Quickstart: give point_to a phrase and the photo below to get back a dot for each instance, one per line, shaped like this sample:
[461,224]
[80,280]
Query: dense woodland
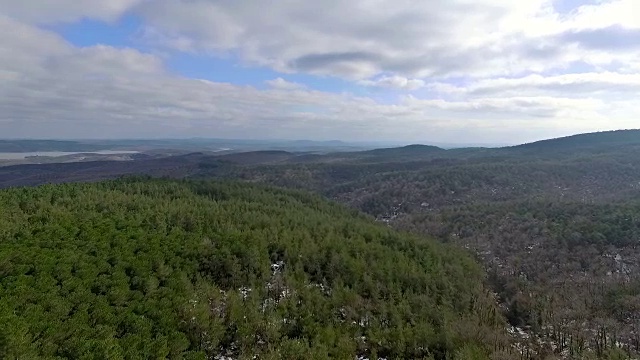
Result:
[144,268]
[205,269]
[557,227]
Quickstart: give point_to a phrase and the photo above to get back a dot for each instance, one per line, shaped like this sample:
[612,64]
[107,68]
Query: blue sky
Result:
[125,32]
[494,71]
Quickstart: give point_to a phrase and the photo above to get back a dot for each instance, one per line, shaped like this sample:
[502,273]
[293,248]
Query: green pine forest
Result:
[152,269]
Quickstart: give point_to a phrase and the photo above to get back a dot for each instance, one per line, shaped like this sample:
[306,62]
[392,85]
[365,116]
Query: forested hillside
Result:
[555,224]
[591,142]
[143,268]
[557,230]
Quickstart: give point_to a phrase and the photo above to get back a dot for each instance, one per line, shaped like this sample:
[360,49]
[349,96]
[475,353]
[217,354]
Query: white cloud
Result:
[106,92]
[282,84]
[625,13]
[357,39]
[52,11]
[542,108]
[394,82]
[604,84]
[364,39]
[478,70]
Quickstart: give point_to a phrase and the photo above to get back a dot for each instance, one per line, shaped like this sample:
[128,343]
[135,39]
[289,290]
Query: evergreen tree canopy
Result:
[141,268]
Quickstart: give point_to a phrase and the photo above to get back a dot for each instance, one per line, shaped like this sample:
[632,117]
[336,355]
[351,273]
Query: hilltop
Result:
[598,141]
[144,268]
[409,150]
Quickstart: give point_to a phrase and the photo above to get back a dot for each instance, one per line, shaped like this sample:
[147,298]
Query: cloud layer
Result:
[470,71]
[361,39]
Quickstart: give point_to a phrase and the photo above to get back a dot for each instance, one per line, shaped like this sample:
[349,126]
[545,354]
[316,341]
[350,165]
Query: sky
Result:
[454,71]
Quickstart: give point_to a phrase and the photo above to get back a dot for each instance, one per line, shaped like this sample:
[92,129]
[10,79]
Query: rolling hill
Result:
[593,142]
[143,268]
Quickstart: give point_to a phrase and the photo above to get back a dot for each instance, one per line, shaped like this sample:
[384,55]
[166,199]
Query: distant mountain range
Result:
[195,161]
[19,146]
[214,144]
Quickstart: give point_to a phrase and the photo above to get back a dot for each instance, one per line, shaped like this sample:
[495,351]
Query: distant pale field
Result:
[24,155]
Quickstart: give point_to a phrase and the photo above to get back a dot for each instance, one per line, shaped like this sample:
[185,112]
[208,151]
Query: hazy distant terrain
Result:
[14,152]
[177,144]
